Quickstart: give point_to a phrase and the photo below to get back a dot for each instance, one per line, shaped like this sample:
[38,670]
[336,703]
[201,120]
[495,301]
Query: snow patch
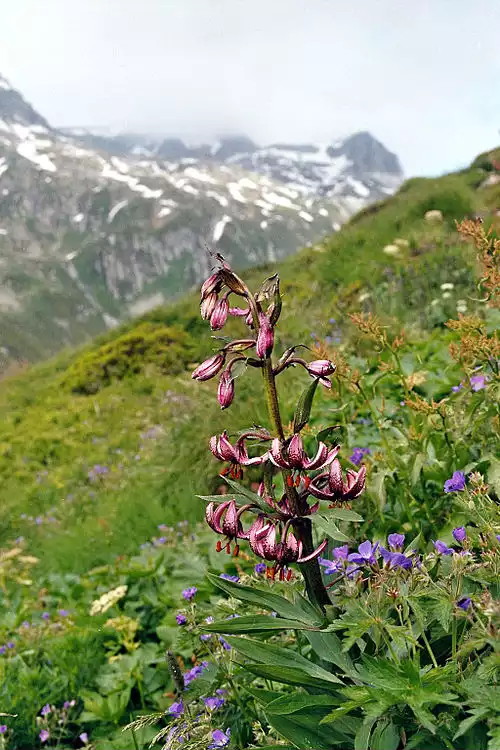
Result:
[323,212]
[245,182]
[116,209]
[220,198]
[219,228]
[3,231]
[263,224]
[78,218]
[190,189]
[164,211]
[196,174]
[235,192]
[28,150]
[3,166]
[304,215]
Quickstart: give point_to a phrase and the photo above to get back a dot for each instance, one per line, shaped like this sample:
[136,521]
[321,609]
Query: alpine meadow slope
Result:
[104,454]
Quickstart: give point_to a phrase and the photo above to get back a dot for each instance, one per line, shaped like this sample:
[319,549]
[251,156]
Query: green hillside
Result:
[101,446]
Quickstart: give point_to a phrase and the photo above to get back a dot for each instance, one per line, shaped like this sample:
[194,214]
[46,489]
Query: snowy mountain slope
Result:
[96,228]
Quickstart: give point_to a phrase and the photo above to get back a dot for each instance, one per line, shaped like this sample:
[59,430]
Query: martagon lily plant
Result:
[277,526]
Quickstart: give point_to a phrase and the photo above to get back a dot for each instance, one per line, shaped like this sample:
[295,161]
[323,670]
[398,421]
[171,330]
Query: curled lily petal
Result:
[317,552]
[213,514]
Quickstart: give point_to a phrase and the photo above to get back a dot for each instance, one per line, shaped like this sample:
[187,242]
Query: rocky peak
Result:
[15,109]
[367,155]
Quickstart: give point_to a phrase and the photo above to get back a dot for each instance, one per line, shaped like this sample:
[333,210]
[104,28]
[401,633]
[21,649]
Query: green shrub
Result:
[169,349]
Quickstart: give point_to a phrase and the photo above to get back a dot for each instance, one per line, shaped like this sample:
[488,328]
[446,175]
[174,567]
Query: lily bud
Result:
[265,337]
[233,282]
[208,305]
[209,368]
[321,368]
[219,315]
[211,285]
[225,392]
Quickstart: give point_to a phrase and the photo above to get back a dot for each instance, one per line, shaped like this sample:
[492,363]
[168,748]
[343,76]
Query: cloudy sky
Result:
[422,75]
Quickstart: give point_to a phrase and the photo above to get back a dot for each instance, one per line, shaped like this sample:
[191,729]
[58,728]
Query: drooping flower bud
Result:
[321,368]
[209,368]
[208,305]
[219,315]
[225,392]
[265,337]
[211,285]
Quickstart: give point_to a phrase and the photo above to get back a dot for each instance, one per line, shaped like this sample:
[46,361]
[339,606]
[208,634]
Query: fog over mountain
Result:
[422,76]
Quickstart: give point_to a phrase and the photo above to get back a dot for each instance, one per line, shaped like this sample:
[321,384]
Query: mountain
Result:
[95,227]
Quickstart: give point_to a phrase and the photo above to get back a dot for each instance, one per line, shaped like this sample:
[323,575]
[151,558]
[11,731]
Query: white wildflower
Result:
[107,600]
[446,286]
[446,295]
[392,250]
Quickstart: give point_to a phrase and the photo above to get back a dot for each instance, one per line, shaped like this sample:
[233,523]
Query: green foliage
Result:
[129,354]
[103,450]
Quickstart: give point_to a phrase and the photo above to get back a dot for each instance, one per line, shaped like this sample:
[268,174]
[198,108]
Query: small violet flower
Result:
[3,728]
[189,593]
[224,643]
[213,702]
[464,603]
[478,382]
[44,735]
[45,616]
[220,739]
[365,554]
[357,455]
[442,548]
[176,709]
[457,388]
[45,710]
[456,483]
[260,568]
[83,737]
[396,541]
[459,534]
[180,619]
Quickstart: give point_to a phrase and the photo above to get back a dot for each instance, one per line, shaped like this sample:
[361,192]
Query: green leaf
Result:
[417,467]
[324,435]
[376,485]
[328,647]
[329,528]
[287,676]
[362,739]
[254,623]
[385,736]
[304,406]
[251,496]
[289,704]
[264,598]
[278,657]
[303,731]
[342,514]
[239,499]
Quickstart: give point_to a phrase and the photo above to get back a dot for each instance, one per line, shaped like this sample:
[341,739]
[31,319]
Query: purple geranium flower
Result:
[45,616]
[396,559]
[64,612]
[83,737]
[220,739]
[227,577]
[456,483]
[396,541]
[3,650]
[176,709]
[478,382]
[180,619]
[189,593]
[333,566]
[365,554]
[457,388]
[260,568]
[464,603]
[45,710]
[224,643]
[357,455]
[443,548]
[3,728]
[11,644]
[213,702]
[44,735]
[459,534]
